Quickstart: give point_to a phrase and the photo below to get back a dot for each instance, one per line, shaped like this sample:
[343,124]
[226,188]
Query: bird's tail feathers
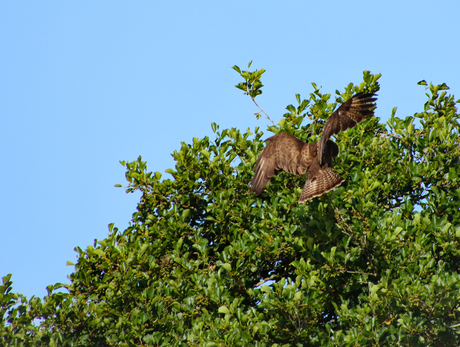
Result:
[325,181]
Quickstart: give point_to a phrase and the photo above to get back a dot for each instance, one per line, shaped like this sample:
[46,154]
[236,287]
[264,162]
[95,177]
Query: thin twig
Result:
[265,280]
[360,272]
[263,111]
[393,135]
[342,221]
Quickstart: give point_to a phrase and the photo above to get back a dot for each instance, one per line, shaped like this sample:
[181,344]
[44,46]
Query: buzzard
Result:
[286,152]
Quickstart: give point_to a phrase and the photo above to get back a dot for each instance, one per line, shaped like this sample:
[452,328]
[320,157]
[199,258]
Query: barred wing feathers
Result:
[283,152]
[355,110]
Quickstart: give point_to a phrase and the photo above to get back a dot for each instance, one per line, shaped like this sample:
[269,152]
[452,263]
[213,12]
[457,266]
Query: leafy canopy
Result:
[206,263]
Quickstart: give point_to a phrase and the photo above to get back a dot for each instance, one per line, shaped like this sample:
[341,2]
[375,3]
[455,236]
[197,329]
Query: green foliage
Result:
[252,84]
[205,263]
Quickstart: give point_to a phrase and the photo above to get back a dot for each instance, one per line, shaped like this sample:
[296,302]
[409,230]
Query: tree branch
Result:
[253,99]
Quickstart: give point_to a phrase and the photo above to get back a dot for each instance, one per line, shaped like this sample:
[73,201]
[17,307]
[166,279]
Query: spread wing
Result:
[282,152]
[355,110]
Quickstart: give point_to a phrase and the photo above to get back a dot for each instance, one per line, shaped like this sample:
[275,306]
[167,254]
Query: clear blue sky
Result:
[85,84]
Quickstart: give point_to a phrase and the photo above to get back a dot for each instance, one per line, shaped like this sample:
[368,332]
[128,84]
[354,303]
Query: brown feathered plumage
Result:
[286,152]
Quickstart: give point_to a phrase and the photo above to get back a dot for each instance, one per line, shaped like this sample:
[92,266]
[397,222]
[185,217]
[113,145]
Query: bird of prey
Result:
[286,152]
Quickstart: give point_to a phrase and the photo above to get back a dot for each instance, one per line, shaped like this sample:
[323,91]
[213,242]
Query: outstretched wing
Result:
[282,152]
[355,110]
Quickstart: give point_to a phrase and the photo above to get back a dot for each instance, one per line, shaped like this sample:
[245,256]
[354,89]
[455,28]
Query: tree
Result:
[374,262]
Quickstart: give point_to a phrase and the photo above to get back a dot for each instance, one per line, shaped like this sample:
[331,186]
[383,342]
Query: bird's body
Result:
[284,152]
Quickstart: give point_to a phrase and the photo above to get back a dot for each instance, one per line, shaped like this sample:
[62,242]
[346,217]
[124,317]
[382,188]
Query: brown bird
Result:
[286,152]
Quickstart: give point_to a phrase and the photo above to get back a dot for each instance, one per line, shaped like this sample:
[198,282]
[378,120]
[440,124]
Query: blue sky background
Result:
[85,84]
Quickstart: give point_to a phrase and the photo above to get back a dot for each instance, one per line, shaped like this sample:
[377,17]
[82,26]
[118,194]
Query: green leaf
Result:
[205,153]
[265,288]
[397,231]
[151,293]
[375,185]
[224,309]
[99,251]
[143,317]
[170,171]
[236,68]
[227,267]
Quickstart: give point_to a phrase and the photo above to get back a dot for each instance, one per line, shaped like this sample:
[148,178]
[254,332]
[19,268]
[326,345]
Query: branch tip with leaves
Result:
[252,86]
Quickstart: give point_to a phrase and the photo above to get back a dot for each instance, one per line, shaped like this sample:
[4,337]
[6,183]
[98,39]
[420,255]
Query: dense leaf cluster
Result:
[375,262]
